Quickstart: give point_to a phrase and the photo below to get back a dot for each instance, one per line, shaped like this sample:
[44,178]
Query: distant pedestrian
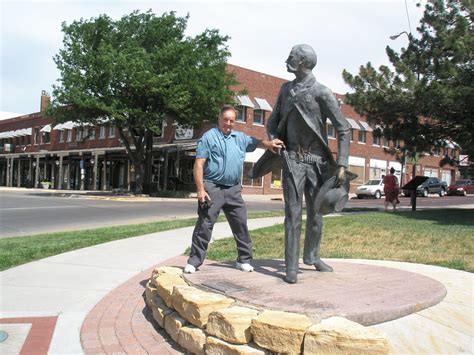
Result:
[391,190]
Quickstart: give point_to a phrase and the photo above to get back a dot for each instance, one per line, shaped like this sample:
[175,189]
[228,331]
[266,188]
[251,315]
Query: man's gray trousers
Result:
[230,200]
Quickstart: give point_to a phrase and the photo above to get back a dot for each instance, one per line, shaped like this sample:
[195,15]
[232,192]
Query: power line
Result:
[408,16]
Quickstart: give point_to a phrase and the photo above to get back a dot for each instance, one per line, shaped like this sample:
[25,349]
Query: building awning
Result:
[17,133]
[59,127]
[6,134]
[353,123]
[262,104]
[244,101]
[46,128]
[365,126]
[68,125]
[23,132]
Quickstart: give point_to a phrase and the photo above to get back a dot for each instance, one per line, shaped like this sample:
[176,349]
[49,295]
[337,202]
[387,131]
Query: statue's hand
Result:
[340,175]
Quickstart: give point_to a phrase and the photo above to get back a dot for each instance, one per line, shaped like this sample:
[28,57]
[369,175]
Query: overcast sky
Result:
[344,34]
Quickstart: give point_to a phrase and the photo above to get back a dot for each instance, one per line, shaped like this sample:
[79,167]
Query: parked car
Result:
[372,188]
[461,187]
[431,185]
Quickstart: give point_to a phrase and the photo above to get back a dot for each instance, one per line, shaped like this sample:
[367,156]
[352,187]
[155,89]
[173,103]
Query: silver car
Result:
[372,188]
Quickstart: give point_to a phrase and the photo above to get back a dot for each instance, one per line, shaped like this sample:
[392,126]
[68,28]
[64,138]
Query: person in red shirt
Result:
[391,190]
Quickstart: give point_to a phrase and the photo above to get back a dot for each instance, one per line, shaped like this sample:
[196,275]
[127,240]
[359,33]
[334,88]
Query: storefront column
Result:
[18,180]
[165,172]
[94,177]
[37,171]
[11,172]
[60,173]
[30,172]
[129,173]
[8,172]
[104,174]
[53,172]
[82,174]
[176,165]
[68,173]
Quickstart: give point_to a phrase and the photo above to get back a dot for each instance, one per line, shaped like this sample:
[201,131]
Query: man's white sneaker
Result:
[189,269]
[244,267]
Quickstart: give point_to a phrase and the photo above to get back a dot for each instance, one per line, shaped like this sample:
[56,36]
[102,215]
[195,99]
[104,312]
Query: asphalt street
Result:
[27,212]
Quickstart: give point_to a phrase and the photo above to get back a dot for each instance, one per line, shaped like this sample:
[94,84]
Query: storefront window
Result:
[276,178]
[241,113]
[246,181]
[258,116]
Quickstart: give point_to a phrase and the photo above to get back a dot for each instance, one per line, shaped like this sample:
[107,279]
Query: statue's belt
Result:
[307,158]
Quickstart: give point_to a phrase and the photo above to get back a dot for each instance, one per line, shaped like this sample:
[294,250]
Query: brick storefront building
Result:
[33,149]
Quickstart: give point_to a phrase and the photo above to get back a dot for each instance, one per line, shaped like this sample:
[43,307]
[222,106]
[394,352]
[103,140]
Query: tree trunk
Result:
[148,162]
[139,166]
[136,157]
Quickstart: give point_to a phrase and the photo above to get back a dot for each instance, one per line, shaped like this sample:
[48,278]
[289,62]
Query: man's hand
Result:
[202,196]
[272,145]
[340,175]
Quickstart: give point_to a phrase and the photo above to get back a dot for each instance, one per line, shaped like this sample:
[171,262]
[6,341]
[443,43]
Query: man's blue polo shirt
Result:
[225,155]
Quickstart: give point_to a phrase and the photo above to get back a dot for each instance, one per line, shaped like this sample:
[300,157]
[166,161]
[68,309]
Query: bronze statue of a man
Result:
[299,120]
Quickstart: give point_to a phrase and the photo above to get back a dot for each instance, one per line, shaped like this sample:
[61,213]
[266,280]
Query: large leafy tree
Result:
[427,97]
[137,71]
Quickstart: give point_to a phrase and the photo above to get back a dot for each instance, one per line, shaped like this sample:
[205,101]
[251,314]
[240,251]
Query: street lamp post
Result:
[394,37]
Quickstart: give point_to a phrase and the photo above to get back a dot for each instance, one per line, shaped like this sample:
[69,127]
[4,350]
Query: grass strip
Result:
[20,250]
[443,237]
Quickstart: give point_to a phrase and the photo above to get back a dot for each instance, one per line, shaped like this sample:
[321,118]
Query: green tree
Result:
[137,71]
[428,96]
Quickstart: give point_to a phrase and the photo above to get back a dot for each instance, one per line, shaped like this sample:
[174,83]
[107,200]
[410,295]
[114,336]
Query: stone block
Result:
[192,339]
[232,324]
[281,332]
[215,346]
[164,286]
[195,305]
[150,291]
[159,310]
[338,335]
[160,270]
[173,323]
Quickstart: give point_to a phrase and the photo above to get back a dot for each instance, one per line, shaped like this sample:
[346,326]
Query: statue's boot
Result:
[322,266]
[290,277]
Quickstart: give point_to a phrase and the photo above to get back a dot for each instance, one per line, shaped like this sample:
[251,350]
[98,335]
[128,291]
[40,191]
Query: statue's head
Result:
[302,56]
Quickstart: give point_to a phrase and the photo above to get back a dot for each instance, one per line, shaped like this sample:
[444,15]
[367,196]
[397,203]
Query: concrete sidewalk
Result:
[69,285]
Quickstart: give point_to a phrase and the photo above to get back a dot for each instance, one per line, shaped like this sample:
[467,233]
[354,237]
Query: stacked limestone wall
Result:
[210,323]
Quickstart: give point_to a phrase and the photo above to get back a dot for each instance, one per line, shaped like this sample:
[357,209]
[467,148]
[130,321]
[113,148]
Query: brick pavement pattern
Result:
[122,324]
[39,337]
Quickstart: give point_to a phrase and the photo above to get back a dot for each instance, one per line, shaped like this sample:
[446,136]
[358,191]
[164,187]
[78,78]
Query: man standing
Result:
[299,120]
[220,156]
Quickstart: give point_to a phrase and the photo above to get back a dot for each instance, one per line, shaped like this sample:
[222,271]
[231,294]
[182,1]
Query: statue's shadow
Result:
[268,267]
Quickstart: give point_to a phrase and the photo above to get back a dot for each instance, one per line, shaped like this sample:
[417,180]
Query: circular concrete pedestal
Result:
[366,294]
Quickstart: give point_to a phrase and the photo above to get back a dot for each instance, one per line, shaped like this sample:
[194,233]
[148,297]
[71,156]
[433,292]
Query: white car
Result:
[372,188]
